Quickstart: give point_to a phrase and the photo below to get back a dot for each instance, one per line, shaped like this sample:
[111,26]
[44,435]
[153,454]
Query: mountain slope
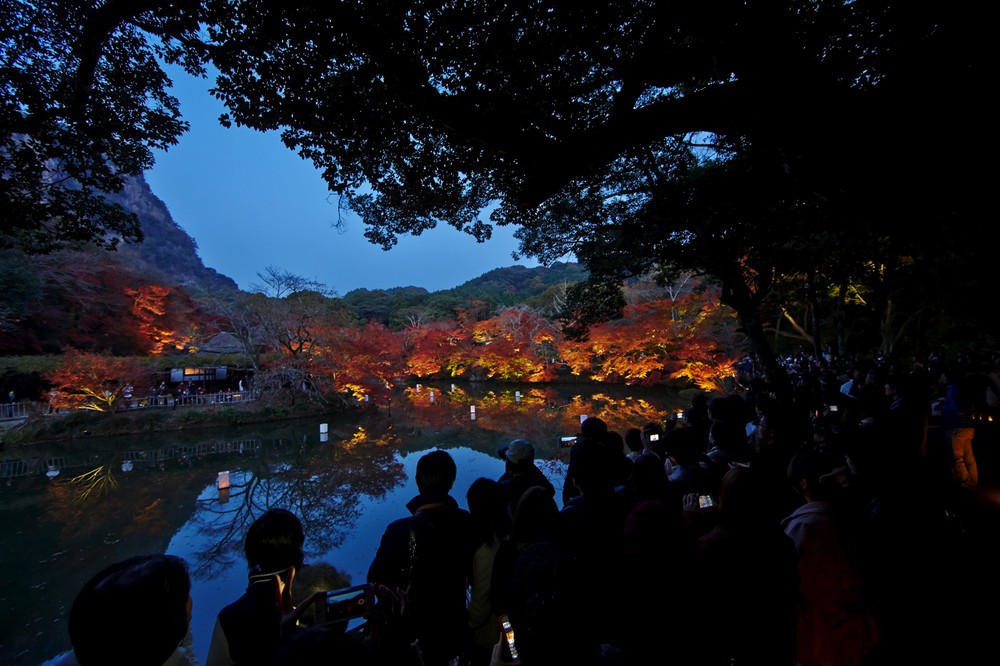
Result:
[166,246]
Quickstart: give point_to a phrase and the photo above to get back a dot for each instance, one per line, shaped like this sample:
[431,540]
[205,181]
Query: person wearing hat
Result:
[520,472]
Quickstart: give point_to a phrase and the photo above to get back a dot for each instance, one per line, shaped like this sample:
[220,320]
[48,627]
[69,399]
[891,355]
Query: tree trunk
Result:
[737,295]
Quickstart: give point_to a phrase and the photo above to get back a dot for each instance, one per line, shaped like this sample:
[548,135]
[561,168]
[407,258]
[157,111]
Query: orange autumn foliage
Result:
[93,382]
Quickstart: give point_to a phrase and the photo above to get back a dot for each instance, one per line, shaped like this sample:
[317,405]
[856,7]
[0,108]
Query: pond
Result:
[69,509]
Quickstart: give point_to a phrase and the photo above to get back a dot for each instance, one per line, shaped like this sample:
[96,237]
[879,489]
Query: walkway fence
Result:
[14,410]
[196,399]
[126,460]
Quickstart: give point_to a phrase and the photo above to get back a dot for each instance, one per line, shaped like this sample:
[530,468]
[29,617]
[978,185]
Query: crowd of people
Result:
[839,527]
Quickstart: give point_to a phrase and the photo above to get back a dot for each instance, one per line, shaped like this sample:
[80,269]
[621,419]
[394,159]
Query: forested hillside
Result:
[158,297]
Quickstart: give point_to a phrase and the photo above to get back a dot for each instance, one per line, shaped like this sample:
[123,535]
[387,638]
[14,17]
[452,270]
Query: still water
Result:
[69,509]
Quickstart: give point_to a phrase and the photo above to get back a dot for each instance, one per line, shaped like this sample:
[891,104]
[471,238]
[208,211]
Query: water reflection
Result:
[346,477]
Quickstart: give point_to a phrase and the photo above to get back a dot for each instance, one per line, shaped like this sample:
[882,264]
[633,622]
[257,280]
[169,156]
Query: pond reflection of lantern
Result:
[222,483]
[127,465]
[472,412]
[517,396]
[52,471]
[432,396]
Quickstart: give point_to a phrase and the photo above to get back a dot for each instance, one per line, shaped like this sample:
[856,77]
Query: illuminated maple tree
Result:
[165,317]
[656,341]
[93,382]
[362,361]
[431,349]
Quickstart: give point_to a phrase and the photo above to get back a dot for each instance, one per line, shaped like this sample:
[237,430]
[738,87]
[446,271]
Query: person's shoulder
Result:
[399,526]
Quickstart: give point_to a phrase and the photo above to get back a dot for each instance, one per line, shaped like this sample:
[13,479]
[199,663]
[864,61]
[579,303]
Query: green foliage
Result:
[500,287]
[83,105]
[20,289]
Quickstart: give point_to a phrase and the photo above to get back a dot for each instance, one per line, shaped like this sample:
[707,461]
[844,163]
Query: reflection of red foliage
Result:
[534,415]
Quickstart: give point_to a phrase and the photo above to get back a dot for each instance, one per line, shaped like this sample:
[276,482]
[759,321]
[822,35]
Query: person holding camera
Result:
[251,628]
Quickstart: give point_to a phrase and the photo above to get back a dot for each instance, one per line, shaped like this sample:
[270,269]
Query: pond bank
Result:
[81,424]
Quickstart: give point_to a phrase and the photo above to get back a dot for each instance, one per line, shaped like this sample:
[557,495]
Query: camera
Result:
[567,441]
[508,631]
[345,604]
[705,502]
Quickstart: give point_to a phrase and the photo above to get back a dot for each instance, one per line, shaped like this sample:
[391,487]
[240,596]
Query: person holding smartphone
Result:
[252,627]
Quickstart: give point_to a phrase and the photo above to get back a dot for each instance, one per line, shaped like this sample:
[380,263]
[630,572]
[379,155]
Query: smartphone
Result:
[654,437]
[567,441]
[705,502]
[345,604]
[508,632]
[834,408]
[680,414]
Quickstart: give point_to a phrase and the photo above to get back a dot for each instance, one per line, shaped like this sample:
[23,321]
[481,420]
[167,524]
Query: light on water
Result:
[195,494]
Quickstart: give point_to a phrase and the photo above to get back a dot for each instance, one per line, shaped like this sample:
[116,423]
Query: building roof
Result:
[223,343]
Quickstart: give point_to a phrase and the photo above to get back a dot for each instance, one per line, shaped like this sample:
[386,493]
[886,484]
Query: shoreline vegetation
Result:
[81,424]
[77,425]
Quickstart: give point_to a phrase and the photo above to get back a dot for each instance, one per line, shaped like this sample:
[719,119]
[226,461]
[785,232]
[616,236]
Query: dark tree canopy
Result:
[83,102]
[442,107]
[747,141]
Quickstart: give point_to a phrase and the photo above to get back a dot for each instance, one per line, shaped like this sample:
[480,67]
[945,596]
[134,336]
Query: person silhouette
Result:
[427,559]
[136,612]
[251,628]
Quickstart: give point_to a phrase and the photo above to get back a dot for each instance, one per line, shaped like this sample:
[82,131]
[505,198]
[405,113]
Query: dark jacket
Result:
[519,478]
[252,625]
[439,535]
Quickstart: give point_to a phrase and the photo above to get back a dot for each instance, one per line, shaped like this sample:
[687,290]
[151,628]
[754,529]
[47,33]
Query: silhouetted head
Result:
[633,439]
[593,427]
[535,516]
[488,509]
[436,473]
[134,612]
[593,466]
[519,453]
[274,542]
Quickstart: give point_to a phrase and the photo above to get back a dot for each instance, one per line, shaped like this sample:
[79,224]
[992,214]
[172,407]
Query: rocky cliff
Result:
[166,246]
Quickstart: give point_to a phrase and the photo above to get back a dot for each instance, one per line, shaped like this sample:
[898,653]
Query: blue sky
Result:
[250,203]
